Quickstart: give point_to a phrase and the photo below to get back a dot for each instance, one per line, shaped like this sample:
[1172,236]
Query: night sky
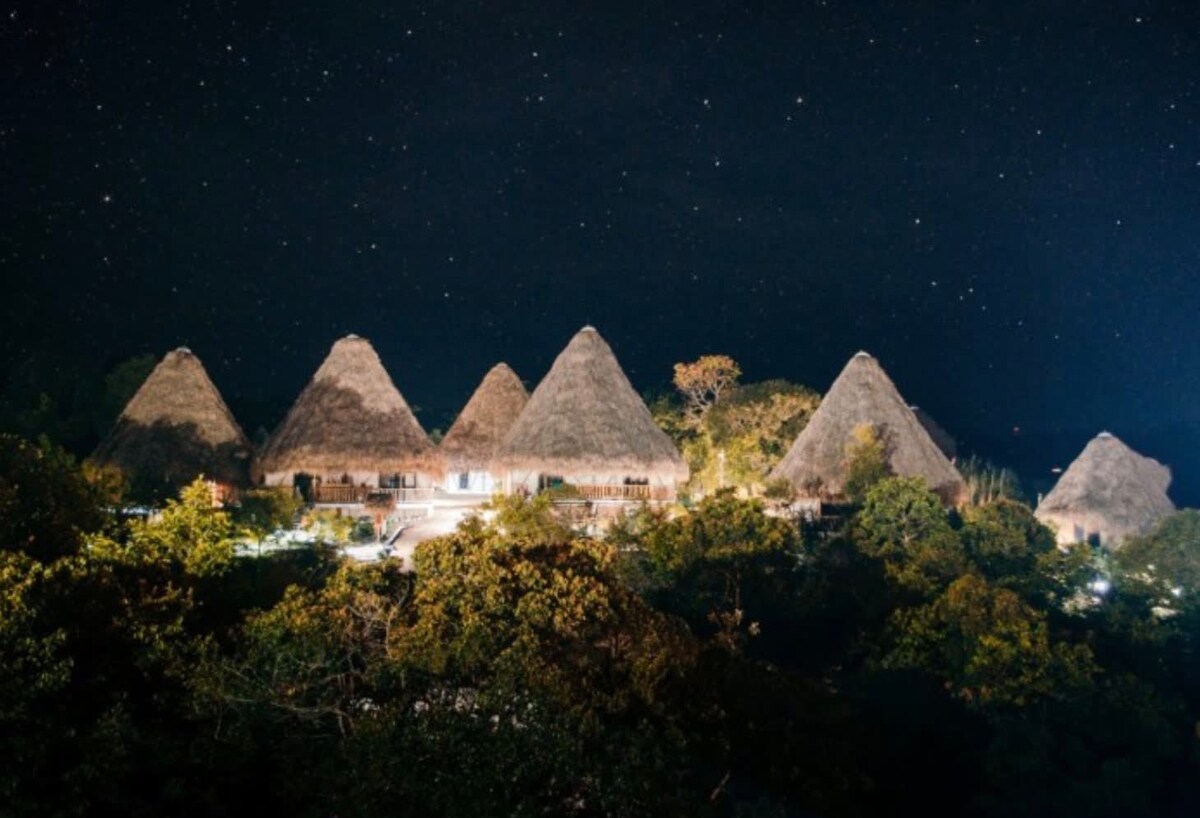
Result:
[1001,201]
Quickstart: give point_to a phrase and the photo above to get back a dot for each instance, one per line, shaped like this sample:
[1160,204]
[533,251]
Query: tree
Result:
[704,382]
[331,525]
[1164,564]
[46,506]
[723,563]
[189,533]
[528,519]
[1008,546]
[258,512]
[34,670]
[100,630]
[120,384]
[65,401]
[903,524]
[753,426]
[866,462]
[511,678]
[737,437]
[989,647]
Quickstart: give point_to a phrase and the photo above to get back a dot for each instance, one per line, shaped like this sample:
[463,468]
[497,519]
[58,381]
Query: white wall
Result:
[528,480]
[478,482]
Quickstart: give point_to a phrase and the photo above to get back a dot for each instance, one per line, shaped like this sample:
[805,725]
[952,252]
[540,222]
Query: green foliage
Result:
[903,524]
[120,385]
[1008,546]
[990,647]
[529,519]
[331,525]
[190,532]
[717,662]
[709,565]
[67,403]
[866,462]
[260,511]
[987,482]
[511,677]
[704,382]
[736,438]
[668,413]
[46,505]
[99,641]
[33,669]
[1164,564]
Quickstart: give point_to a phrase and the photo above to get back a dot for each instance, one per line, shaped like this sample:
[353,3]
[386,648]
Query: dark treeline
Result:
[726,661]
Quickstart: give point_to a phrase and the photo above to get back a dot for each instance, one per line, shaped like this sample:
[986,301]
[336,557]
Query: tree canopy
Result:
[724,660]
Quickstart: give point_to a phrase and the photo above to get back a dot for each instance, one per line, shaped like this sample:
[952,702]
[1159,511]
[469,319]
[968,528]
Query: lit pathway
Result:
[447,514]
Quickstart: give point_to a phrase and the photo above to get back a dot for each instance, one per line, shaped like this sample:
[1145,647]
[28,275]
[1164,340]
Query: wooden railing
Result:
[348,494]
[637,492]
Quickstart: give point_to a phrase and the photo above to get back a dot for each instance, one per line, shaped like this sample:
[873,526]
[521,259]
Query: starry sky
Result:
[1001,201]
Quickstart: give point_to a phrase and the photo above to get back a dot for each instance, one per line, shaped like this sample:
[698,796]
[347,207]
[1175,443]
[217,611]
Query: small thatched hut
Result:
[349,431]
[177,428]
[585,426]
[468,448]
[1108,494]
[863,395]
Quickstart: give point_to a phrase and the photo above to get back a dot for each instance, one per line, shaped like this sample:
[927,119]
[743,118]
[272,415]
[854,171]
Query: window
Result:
[464,481]
[408,480]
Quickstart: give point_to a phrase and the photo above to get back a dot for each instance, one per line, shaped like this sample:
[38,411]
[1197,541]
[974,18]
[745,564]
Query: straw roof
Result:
[480,428]
[1110,491]
[863,394]
[350,417]
[941,438]
[585,418]
[176,428]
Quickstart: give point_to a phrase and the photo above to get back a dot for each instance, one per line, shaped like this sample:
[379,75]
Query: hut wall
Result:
[478,482]
[1072,529]
[528,482]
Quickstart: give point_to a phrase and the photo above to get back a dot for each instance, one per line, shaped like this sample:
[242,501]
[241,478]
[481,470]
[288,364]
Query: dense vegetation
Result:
[731,434]
[722,662]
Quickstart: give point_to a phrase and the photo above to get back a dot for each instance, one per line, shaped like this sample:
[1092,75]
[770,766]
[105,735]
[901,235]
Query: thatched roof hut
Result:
[349,418]
[864,395]
[480,428]
[177,428]
[1109,493]
[941,438]
[585,418]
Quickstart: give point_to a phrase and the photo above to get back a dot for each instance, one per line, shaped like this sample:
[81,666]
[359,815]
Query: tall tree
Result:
[704,382]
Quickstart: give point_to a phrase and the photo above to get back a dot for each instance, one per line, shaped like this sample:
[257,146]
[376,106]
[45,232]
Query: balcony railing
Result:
[346,494]
[637,492]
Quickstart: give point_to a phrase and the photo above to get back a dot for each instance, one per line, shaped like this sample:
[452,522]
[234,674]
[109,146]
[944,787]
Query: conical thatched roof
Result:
[941,438]
[350,417]
[176,428]
[585,418]
[864,394]
[480,428]
[1110,491]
